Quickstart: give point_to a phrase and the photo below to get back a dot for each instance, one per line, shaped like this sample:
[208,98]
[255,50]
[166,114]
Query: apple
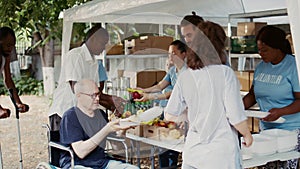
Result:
[136,95]
[171,125]
[162,124]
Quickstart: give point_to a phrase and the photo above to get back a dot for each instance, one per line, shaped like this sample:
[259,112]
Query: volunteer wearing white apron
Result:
[211,93]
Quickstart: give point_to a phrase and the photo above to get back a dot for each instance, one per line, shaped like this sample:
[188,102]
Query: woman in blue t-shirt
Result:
[275,85]
[162,91]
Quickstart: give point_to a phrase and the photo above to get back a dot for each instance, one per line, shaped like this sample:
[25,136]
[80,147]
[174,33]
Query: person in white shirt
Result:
[80,63]
[188,26]
[210,91]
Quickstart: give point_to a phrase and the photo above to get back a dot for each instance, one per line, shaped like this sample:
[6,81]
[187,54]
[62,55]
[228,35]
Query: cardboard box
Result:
[249,28]
[147,51]
[245,78]
[253,124]
[148,45]
[144,79]
[138,131]
[156,132]
[114,49]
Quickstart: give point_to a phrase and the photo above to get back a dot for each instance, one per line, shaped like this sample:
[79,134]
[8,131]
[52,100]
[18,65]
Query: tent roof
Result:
[167,11]
[172,11]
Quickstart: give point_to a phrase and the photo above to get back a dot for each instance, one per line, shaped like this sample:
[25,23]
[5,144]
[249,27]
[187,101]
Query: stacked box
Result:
[144,79]
[245,78]
[249,28]
[114,49]
[148,45]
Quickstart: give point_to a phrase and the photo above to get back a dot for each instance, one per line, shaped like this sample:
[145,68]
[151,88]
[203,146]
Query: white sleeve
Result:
[233,100]
[176,104]
[73,67]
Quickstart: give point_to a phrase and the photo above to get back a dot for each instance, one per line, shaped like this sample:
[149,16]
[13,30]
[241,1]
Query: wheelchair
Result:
[55,148]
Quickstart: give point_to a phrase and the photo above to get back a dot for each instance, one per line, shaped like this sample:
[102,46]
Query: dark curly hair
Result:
[275,38]
[208,46]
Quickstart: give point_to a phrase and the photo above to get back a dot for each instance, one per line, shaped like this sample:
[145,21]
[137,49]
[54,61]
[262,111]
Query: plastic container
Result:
[262,145]
[286,140]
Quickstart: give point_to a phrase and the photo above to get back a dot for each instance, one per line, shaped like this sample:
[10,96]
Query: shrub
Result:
[25,86]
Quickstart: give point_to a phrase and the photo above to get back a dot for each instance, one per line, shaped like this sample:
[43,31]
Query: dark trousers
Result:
[54,121]
[168,158]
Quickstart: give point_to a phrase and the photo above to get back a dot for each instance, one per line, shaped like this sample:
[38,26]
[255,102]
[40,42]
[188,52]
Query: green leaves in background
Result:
[25,86]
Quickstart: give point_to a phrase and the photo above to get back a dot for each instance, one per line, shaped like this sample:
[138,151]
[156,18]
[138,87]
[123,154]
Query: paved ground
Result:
[33,136]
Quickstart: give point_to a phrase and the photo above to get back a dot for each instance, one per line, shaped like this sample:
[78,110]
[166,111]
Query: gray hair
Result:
[83,85]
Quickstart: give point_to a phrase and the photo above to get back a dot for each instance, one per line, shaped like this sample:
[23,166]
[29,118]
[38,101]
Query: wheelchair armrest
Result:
[115,138]
[65,148]
[60,146]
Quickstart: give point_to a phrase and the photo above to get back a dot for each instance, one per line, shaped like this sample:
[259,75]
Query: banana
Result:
[134,90]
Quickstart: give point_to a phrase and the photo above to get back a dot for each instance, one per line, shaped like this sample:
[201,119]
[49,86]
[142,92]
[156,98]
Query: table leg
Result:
[152,157]
[137,147]
[138,154]
[252,120]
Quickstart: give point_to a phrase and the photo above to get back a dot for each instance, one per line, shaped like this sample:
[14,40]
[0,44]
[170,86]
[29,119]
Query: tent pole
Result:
[176,31]
[161,29]
[293,8]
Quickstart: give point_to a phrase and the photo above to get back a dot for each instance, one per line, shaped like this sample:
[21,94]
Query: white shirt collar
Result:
[87,55]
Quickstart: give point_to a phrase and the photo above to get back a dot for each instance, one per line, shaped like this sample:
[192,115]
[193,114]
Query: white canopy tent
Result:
[172,11]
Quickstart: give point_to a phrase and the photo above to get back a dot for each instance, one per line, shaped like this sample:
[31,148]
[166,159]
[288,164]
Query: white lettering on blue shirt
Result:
[268,78]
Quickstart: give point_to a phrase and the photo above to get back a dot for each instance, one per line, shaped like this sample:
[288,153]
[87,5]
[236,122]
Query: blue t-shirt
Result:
[101,72]
[274,86]
[163,103]
[171,76]
[73,129]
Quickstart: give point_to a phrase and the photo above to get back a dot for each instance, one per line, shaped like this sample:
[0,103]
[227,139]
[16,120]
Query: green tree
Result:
[38,19]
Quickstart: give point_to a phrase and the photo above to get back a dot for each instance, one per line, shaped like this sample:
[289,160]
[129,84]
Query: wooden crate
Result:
[138,131]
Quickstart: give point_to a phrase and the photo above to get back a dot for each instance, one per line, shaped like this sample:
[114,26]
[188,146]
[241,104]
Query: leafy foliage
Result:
[28,16]
[25,86]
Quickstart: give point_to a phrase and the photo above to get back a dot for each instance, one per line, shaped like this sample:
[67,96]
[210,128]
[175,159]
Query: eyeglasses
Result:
[93,96]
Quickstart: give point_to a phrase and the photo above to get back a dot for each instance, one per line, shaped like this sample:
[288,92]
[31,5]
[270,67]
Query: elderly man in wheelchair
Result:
[84,129]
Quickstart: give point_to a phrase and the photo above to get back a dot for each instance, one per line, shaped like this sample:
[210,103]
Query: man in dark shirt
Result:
[84,128]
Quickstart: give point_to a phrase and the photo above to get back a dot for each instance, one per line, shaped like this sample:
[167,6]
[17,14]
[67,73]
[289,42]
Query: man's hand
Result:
[23,107]
[4,113]
[119,105]
[115,126]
